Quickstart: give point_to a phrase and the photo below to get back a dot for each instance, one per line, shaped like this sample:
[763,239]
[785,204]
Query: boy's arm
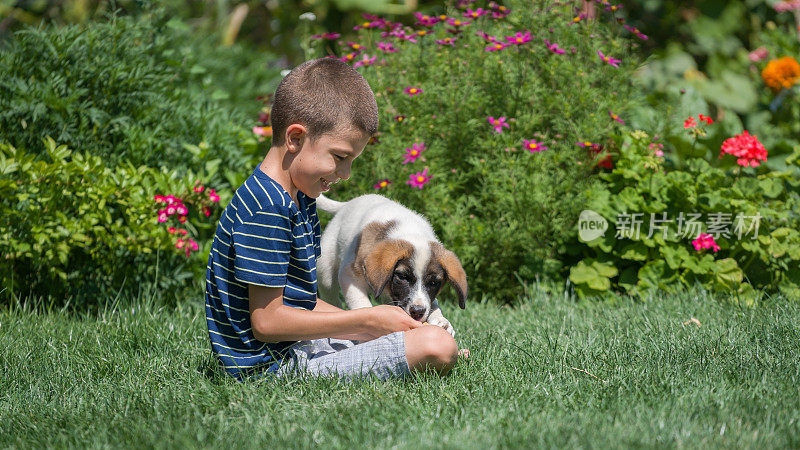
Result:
[272,321]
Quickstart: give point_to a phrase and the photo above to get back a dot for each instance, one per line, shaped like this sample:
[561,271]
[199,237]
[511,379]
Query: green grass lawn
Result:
[549,372]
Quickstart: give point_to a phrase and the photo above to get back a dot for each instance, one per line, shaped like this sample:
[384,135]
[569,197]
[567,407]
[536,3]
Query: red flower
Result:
[689,123]
[705,119]
[746,148]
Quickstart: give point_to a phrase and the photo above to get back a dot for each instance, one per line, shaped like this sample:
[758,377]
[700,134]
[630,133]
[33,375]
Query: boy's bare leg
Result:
[433,347]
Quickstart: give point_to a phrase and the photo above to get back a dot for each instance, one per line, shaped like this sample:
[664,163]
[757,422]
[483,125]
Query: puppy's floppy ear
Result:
[378,266]
[452,267]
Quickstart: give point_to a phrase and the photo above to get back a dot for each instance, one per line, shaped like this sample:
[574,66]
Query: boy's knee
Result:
[432,347]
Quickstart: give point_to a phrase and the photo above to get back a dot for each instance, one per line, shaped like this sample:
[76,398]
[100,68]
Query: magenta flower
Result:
[476,13]
[328,36]
[382,184]
[496,46]
[457,22]
[159,199]
[181,209]
[412,91]
[212,195]
[486,37]
[170,209]
[170,199]
[554,48]
[608,59]
[199,188]
[498,124]
[616,117]
[635,31]
[387,47]
[365,61]
[447,41]
[425,21]
[349,57]
[577,19]
[162,216]
[533,146]
[419,179]
[520,38]
[414,152]
[705,241]
[498,11]
[584,144]
[613,8]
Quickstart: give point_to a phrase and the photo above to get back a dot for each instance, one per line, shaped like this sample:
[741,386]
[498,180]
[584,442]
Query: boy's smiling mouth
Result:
[326,185]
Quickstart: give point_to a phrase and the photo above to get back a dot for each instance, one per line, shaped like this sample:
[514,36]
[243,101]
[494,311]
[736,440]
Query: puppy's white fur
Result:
[343,242]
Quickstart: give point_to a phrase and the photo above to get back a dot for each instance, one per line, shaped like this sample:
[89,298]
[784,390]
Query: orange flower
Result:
[781,73]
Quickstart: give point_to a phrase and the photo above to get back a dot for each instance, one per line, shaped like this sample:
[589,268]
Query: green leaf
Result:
[582,273]
[772,187]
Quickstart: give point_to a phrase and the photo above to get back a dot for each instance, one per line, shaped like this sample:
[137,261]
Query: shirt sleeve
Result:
[263,245]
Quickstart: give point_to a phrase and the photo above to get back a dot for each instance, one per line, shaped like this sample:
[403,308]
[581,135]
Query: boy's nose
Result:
[344,172]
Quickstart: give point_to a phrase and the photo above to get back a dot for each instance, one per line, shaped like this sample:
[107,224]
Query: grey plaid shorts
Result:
[384,358]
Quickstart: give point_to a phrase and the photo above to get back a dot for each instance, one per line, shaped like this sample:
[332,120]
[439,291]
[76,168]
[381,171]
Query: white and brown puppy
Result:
[375,245]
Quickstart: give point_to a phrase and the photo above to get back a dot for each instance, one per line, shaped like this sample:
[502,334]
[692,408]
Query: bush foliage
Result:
[132,90]
[72,227]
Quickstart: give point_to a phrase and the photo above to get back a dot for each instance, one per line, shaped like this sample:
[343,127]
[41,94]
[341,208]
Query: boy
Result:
[262,309]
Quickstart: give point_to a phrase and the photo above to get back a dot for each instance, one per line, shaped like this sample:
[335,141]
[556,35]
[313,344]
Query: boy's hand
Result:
[385,319]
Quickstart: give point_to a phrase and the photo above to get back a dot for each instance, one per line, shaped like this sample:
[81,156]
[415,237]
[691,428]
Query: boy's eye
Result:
[338,157]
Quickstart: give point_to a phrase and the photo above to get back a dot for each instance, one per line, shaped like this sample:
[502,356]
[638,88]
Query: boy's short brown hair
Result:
[322,94]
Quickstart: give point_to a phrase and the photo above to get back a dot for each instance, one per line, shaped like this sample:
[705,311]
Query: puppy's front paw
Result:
[442,322]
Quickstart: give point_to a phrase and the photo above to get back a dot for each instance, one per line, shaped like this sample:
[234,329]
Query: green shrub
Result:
[506,211]
[753,213]
[72,227]
[133,90]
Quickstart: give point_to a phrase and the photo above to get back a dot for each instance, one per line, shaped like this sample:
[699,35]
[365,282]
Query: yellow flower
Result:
[781,73]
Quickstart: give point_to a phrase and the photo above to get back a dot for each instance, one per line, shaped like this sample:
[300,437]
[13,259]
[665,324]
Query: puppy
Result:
[375,245]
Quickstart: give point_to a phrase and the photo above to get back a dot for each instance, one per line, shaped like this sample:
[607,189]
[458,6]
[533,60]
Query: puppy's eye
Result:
[401,275]
[433,283]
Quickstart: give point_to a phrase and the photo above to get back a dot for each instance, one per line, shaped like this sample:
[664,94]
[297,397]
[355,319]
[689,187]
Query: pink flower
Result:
[498,124]
[485,36]
[608,59]
[689,123]
[365,61]
[162,216]
[584,144]
[412,91]
[355,46]
[419,179]
[554,48]
[414,152]
[159,198]
[387,47]
[170,199]
[425,21]
[616,117]
[212,195]
[447,41]
[171,230]
[759,54]
[533,146]
[382,184]
[613,8]
[577,19]
[520,38]
[746,148]
[182,232]
[329,36]
[181,209]
[457,22]
[199,188]
[206,211]
[349,57]
[636,31]
[705,241]
[179,244]
[171,210]
[182,219]
[496,46]
[787,5]
[470,14]
[498,11]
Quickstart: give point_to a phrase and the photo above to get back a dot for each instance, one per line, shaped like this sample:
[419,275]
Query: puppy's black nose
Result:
[416,312]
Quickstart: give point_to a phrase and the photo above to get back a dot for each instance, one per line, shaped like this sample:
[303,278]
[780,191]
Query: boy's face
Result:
[320,163]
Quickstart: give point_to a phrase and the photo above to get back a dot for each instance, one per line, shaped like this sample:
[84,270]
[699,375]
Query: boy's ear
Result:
[295,135]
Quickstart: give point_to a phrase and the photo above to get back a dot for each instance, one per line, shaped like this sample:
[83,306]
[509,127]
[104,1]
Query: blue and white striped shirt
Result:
[263,238]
